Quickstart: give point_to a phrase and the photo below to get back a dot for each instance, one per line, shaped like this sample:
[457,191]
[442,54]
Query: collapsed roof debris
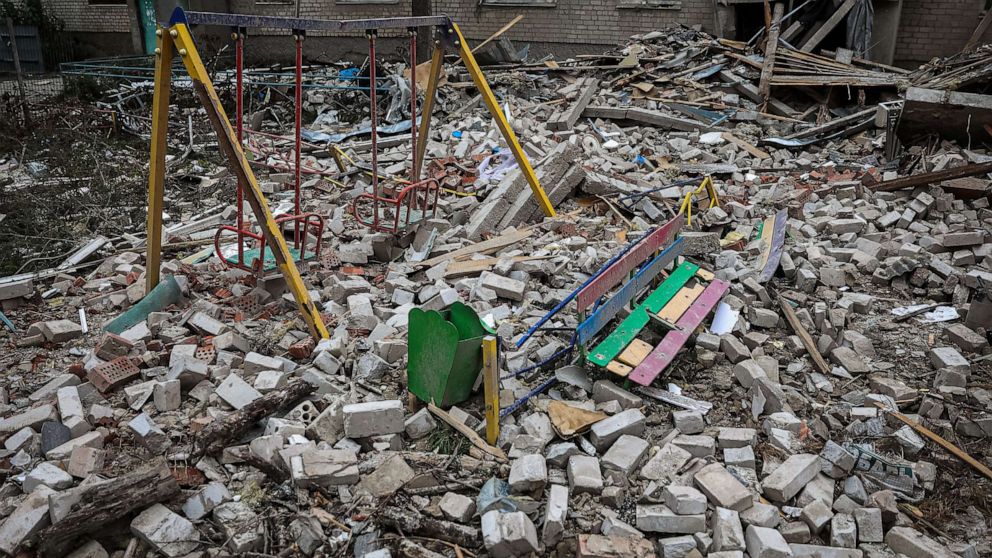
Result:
[759,322]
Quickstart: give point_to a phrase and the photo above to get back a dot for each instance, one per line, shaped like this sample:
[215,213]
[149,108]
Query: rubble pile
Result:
[838,408]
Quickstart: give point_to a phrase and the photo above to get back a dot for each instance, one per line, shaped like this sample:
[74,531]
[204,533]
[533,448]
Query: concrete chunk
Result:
[605,432]
[722,488]
[374,418]
[790,477]
[29,517]
[660,519]
[763,542]
[168,533]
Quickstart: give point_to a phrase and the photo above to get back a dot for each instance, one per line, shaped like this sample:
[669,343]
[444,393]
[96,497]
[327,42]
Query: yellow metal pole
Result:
[228,140]
[156,170]
[437,61]
[490,383]
[511,139]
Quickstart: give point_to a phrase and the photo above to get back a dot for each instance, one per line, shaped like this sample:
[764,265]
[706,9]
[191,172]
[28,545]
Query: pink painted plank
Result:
[665,352]
[620,269]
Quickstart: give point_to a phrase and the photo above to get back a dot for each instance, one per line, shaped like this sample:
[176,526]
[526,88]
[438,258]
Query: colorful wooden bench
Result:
[679,303]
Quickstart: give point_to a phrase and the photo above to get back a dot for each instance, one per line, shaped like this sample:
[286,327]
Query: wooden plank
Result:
[792,30]
[479,247]
[635,352]
[471,267]
[932,177]
[759,153]
[681,302]
[976,37]
[665,352]
[828,26]
[774,254]
[463,428]
[771,47]
[835,124]
[565,119]
[619,368]
[490,380]
[705,274]
[797,327]
[608,348]
[620,269]
[750,91]
[602,316]
[767,231]
[958,452]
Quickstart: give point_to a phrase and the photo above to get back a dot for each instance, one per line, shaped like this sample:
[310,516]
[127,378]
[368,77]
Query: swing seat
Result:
[260,258]
[413,204]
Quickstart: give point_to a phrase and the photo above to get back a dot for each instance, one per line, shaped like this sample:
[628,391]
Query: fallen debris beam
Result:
[932,177]
[771,46]
[565,120]
[828,26]
[647,117]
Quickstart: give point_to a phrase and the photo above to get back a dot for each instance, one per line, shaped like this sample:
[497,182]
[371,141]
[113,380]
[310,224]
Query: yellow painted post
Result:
[156,170]
[497,112]
[490,382]
[437,61]
[228,140]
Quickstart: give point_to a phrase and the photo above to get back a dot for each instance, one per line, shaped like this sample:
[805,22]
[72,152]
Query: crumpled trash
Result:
[494,167]
[495,495]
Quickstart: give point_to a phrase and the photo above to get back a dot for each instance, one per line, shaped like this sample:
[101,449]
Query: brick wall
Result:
[930,28]
[598,22]
[80,16]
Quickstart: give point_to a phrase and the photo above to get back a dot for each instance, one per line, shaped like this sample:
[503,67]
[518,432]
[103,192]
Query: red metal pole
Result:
[239,94]
[415,171]
[374,117]
[299,140]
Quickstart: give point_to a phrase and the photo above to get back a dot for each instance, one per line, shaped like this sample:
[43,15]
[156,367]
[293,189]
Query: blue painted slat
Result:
[602,316]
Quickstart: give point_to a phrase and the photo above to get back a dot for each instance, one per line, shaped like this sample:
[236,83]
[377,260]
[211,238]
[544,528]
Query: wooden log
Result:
[102,503]
[771,47]
[409,522]
[219,434]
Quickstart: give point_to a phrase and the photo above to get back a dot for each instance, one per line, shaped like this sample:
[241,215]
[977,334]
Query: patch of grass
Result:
[447,441]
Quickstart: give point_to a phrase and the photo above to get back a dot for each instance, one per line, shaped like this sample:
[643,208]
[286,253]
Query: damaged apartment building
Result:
[497,278]
[905,33]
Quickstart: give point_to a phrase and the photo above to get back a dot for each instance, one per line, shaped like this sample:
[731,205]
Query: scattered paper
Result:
[724,319]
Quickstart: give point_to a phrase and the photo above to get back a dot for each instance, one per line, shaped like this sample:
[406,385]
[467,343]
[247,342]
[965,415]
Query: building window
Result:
[651,4]
[366,1]
[525,3]
[107,2]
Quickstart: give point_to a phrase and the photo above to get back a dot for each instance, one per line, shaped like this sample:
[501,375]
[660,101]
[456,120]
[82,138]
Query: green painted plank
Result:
[615,342]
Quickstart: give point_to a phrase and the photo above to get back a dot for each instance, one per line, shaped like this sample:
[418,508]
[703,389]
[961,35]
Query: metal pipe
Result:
[374,117]
[239,95]
[570,297]
[299,131]
[415,172]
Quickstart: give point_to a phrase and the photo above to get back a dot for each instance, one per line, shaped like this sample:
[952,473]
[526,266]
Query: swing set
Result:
[386,208]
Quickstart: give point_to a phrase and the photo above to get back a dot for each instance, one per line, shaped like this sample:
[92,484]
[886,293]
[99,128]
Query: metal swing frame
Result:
[304,225]
[175,37]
